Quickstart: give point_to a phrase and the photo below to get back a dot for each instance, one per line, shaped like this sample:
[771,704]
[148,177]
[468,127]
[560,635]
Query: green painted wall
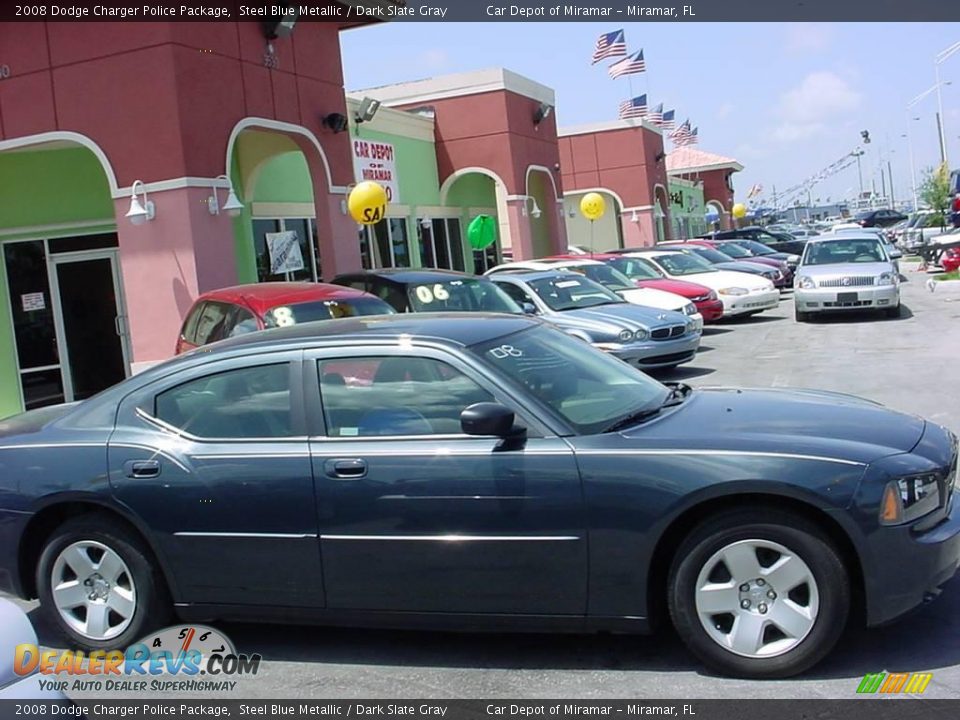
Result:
[284,178]
[473,190]
[44,188]
[687,209]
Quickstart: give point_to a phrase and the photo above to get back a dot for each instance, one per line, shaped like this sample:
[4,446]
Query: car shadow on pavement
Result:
[716,330]
[856,316]
[684,372]
[752,319]
[925,640]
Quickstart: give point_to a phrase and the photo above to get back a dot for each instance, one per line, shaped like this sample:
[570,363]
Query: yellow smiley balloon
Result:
[367,203]
[739,210]
[592,206]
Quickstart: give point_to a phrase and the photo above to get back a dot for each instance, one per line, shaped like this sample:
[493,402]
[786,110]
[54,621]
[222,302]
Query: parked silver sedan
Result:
[846,272]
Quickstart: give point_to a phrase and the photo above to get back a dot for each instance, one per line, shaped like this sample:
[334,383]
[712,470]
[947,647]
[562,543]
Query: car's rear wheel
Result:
[97,584]
[760,598]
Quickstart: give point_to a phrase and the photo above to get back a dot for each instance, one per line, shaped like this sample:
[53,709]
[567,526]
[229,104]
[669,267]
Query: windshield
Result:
[571,292]
[757,248]
[844,251]
[684,264]
[636,268]
[590,389]
[711,255]
[735,250]
[606,276]
[461,295]
[296,313]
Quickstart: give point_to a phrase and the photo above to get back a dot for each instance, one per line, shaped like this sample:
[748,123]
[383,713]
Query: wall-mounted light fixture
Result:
[534,209]
[281,23]
[426,223]
[368,108]
[659,156]
[542,113]
[634,218]
[139,212]
[232,206]
[336,121]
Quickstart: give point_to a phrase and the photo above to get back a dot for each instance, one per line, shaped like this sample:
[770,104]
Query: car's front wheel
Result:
[892,312]
[97,583]
[801,316]
[761,595]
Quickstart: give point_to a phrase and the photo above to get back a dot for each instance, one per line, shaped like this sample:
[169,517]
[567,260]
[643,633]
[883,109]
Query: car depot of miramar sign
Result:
[376,161]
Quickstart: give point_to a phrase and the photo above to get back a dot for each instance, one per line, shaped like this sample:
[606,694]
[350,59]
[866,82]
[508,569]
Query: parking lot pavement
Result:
[908,364]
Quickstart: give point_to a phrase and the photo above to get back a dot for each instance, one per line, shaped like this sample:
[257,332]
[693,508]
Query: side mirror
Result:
[895,254]
[487,418]
[529,308]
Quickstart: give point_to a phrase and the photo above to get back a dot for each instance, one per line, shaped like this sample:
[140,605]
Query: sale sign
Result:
[376,161]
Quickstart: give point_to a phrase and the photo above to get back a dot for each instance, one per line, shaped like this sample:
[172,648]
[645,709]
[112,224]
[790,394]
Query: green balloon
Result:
[482,232]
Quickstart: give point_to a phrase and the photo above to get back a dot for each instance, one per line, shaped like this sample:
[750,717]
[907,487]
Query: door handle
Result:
[142,468]
[346,468]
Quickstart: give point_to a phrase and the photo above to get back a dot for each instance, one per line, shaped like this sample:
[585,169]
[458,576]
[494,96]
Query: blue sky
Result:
[785,99]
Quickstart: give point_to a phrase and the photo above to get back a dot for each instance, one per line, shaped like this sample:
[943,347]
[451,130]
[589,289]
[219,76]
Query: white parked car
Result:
[741,294]
[846,271]
[16,629]
[612,279]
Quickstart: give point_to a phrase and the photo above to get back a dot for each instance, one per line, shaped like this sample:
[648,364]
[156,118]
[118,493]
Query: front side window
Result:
[251,402]
[394,396]
[460,295]
[212,324]
[590,390]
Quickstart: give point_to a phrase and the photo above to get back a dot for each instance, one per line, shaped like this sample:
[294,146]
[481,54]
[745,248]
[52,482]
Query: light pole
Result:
[937,62]
[913,174]
[857,153]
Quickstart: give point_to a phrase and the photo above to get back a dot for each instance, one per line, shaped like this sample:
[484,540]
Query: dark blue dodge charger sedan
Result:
[437,471]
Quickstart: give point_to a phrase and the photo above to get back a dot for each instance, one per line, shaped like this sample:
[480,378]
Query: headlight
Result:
[625,336]
[909,499]
[733,291]
[641,334]
[887,279]
[806,283]
[689,309]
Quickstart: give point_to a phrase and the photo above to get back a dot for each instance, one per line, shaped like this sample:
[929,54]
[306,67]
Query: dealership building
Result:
[143,164]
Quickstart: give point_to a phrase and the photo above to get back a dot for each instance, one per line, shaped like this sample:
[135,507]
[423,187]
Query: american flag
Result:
[681,134]
[611,44]
[634,108]
[656,115]
[755,190]
[630,65]
[668,122]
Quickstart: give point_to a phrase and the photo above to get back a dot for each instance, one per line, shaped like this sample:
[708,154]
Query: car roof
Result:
[537,274]
[411,276]
[263,296]
[846,236]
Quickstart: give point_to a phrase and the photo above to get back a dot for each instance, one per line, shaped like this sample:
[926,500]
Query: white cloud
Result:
[809,37]
[808,109]
[724,110]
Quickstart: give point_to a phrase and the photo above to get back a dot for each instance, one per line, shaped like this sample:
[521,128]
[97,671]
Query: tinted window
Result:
[844,251]
[245,403]
[635,268]
[734,250]
[605,275]
[462,294]
[711,255]
[682,264]
[400,395]
[211,325]
[516,293]
[297,313]
[241,322]
[189,331]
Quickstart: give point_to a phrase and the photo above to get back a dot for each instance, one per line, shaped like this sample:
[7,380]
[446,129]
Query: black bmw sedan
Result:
[470,471]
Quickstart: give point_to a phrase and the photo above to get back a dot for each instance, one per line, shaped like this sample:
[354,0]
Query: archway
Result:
[545,222]
[718,207]
[63,335]
[478,191]
[661,204]
[600,235]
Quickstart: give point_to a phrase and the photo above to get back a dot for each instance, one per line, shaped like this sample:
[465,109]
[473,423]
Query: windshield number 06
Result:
[427,295]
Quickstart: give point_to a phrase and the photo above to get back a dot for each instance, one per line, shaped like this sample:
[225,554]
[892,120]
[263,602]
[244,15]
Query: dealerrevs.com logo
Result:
[894,683]
[182,653]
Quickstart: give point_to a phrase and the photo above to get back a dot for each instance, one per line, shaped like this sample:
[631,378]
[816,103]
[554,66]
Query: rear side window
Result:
[251,402]
[189,331]
[212,323]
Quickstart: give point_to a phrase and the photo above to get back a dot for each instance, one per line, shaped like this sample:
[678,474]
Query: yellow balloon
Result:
[592,205]
[367,203]
[739,210]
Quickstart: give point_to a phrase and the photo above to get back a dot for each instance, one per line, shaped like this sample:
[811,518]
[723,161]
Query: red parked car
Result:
[950,260]
[746,254]
[644,274]
[232,311]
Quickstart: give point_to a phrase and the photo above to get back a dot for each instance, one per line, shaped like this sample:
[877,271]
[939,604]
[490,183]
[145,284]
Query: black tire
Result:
[805,541]
[152,606]
[892,312]
[801,316]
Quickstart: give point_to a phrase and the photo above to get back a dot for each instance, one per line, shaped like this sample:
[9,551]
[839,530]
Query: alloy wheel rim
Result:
[93,590]
[757,598]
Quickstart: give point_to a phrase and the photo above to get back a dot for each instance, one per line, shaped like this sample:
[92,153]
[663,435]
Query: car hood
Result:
[680,287]
[789,421]
[651,297]
[749,267]
[611,319]
[726,278]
